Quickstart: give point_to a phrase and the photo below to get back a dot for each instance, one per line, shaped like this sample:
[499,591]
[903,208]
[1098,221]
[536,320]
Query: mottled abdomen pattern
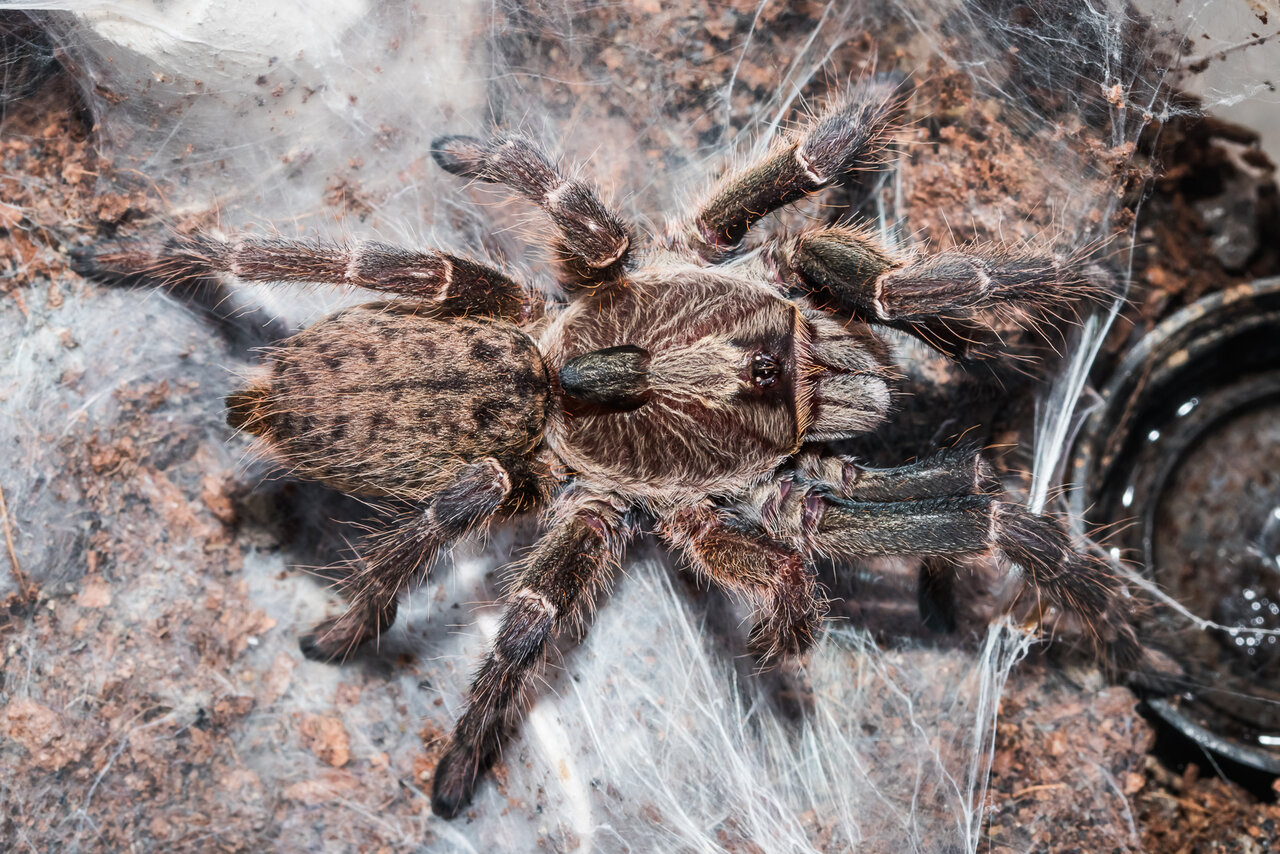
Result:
[379,401]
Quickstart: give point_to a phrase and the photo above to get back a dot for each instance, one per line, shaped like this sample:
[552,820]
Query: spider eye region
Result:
[765,370]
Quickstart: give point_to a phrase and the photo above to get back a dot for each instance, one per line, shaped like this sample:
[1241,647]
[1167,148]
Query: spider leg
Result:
[589,231]
[950,473]
[1081,585]
[746,560]
[934,297]
[400,551]
[929,526]
[454,285]
[977,523]
[851,136]
[555,587]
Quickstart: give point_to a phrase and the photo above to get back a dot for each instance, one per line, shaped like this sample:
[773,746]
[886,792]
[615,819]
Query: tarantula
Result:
[690,384]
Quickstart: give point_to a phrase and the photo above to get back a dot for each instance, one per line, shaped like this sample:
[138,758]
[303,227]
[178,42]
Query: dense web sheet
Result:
[652,733]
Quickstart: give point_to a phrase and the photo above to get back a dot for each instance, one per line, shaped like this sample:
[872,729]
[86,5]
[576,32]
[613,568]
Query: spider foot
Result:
[455,781]
[793,619]
[463,155]
[336,638]
[1148,671]
[783,636]
[1086,588]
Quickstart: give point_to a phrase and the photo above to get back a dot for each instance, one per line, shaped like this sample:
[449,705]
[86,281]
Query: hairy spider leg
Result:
[589,231]
[407,545]
[1081,585]
[928,526]
[557,585]
[853,135]
[454,286]
[933,296]
[946,505]
[974,524]
[770,574]
[946,474]
[949,473]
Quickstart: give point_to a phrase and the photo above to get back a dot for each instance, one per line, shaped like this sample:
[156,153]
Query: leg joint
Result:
[526,626]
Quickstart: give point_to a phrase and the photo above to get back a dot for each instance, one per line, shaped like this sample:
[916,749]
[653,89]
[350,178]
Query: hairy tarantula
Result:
[689,384]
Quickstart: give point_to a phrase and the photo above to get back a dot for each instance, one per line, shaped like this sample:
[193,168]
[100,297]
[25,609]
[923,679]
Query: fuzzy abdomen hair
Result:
[381,402]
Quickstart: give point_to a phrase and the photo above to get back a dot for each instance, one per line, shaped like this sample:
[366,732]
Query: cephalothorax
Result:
[686,384]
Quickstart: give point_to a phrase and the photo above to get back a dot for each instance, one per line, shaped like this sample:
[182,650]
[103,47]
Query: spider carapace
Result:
[684,385]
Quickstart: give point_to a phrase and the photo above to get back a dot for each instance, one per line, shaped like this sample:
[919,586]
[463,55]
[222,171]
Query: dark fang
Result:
[616,378]
[764,370]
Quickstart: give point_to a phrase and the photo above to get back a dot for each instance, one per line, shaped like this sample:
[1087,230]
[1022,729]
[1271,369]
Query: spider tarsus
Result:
[113,262]
[315,649]
[84,261]
[1085,587]
[462,155]
[335,639]
[455,782]
[1038,544]
[854,134]
[1148,671]
[786,635]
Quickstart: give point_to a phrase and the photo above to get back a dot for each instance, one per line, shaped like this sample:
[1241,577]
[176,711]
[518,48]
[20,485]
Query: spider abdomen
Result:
[378,401]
